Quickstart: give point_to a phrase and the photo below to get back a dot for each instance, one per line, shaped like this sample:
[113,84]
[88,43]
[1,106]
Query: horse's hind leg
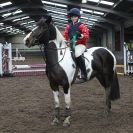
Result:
[107,101]
[67,109]
[104,80]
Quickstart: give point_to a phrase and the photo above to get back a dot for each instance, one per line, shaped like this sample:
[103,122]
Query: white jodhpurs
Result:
[79,50]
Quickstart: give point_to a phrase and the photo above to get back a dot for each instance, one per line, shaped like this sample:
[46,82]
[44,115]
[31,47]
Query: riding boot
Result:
[81,64]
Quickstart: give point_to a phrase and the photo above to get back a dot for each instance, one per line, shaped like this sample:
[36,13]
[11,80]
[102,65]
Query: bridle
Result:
[43,50]
[43,46]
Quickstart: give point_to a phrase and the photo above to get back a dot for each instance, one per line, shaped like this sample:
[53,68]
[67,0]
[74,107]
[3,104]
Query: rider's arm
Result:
[84,32]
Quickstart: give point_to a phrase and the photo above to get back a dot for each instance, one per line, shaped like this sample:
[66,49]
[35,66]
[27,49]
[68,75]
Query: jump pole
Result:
[7,68]
[29,70]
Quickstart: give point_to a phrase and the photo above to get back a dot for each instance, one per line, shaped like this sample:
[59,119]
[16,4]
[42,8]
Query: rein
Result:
[42,49]
[43,55]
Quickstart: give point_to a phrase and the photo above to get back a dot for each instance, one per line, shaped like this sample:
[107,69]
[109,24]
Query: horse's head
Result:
[40,34]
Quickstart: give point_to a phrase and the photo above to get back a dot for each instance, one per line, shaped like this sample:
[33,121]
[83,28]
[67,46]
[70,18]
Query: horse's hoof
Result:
[66,122]
[80,81]
[55,122]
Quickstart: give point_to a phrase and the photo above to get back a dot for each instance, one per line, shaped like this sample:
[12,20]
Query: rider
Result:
[82,32]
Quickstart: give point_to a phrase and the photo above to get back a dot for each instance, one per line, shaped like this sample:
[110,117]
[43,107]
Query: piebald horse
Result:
[61,68]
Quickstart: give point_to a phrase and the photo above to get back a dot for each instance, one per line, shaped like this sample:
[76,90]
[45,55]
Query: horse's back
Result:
[100,54]
[100,59]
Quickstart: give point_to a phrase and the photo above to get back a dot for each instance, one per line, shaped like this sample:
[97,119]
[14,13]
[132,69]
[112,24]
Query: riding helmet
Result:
[74,12]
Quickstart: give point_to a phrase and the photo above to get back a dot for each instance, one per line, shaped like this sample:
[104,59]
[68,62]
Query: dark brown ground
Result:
[26,106]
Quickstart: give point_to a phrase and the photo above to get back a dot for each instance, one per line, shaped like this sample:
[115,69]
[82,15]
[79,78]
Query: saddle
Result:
[79,72]
[73,55]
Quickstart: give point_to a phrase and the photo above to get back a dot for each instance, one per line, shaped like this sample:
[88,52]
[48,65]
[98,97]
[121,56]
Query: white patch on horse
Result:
[67,63]
[112,56]
[89,60]
[56,98]
[114,59]
[89,56]
[67,99]
[29,35]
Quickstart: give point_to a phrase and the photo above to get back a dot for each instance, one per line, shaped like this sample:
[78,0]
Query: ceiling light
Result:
[5,4]
[86,10]
[53,4]
[1,24]
[99,13]
[106,3]
[31,22]
[18,19]
[94,0]
[18,11]
[84,18]
[6,15]
[84,1]
[25,17]
[23,23]
[93,19]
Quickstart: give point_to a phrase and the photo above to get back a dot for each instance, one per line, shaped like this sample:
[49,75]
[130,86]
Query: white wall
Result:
[17,42]
[2,39]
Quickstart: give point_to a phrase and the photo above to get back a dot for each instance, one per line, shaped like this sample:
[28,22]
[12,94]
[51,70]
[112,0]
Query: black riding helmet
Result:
[74,12]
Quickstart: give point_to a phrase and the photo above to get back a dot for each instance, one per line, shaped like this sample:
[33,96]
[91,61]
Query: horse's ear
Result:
[49,20]
[41,22]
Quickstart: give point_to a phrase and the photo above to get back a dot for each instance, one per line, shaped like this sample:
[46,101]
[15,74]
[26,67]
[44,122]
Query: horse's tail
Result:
[115,90]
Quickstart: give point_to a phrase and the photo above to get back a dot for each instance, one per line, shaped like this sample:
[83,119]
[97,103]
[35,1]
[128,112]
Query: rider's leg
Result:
[81,63]
[79,50]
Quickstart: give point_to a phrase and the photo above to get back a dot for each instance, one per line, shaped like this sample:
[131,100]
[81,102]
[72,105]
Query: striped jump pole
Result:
[128,59]
[5,59]
[121,67]
[29,70]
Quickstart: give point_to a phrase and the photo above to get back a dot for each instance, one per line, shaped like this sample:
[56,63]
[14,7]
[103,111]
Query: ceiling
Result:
[20,16]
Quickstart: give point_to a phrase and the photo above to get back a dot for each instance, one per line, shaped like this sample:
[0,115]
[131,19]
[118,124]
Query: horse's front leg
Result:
[57,108]
[67,109]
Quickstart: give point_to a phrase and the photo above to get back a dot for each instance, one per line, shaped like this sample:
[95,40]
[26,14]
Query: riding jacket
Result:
[71,29]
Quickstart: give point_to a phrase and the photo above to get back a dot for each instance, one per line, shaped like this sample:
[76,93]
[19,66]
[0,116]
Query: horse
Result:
[61,68]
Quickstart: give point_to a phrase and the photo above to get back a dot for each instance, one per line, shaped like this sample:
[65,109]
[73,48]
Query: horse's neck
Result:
[54,46]
[60,42]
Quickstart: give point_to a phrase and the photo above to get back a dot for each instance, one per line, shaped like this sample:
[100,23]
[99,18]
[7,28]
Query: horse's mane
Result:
[54,31]
[60,36]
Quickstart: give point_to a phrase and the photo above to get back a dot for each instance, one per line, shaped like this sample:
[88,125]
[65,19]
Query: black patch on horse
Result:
[102,58]
[102,65]
[52,32]
[55,72]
